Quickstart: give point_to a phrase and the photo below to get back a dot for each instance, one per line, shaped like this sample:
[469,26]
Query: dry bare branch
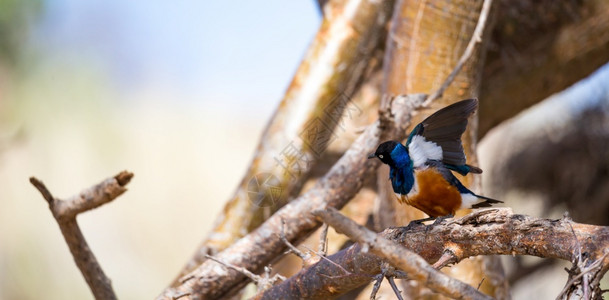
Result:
[323,240]
[378,279]
[305,257]
[484,232]
[263,282]
[395,288]
[303,124]
[415,266]
[65,212]
[341,183]
[334,190]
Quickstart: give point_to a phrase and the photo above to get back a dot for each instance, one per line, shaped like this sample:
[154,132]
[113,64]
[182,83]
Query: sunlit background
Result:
[176,92]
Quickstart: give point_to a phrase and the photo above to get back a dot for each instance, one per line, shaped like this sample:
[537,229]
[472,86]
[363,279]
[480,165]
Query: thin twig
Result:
[469,50]
[586,286]
[595,266]
[580,262]
[46,194]
[65,212]
[480,284]
[255,278]
[263,282]
[323,239]
[304,257]
[397,291]
[378,279]
[579,246]
[328,260]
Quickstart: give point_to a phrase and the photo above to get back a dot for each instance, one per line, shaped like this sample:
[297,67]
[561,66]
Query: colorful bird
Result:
[420,171]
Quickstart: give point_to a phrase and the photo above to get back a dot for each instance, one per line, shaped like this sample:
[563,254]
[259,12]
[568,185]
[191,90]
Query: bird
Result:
[421,170]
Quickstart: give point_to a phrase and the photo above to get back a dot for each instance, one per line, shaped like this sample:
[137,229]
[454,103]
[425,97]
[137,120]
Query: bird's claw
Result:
[441,219]
[420,221]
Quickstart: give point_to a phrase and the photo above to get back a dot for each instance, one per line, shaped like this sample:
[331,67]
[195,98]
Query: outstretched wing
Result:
[444,129]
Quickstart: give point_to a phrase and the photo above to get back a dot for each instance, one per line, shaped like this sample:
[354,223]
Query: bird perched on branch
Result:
[420,171]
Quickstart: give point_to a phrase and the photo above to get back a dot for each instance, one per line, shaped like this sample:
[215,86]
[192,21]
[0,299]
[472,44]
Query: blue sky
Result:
[212,52]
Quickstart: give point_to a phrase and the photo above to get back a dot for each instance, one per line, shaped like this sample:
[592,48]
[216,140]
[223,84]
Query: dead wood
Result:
[65,212]
[485,232]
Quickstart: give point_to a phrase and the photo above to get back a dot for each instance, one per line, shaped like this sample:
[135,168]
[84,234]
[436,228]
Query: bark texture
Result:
[486,232]
[425,43]
[304,123]
[335,189]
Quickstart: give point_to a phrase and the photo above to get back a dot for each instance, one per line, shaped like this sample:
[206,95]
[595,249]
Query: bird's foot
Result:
[420,221]
[441,219]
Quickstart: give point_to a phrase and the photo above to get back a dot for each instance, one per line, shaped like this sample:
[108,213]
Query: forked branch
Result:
[414,265]
[65,212]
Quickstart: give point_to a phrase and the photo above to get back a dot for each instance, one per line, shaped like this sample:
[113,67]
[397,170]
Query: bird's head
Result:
[383,152]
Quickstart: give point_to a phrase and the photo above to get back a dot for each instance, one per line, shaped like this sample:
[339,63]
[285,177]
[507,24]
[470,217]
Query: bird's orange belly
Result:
[432,194]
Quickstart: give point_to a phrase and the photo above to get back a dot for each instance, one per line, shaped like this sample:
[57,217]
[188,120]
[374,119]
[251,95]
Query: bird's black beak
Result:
[371,155]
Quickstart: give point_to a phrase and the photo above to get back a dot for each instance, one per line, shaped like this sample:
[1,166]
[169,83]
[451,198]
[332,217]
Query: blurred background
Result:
[179,94]
[176,92]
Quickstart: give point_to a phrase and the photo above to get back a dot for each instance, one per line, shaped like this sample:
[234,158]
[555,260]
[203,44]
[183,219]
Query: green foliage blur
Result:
[15,21]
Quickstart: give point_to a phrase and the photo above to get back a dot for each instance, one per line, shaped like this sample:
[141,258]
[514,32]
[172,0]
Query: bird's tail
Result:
[488,202]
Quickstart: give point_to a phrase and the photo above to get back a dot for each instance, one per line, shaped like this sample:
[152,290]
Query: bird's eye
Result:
[381,156]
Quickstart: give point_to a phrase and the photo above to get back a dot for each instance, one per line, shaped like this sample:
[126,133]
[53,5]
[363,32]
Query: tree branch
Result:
[341,183]
[483,232]
[334,67]
[414,265]
[427,41]
[65,212]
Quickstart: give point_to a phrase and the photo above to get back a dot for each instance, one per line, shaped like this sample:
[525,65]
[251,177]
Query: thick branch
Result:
[303,124]
[264,245]
[65,212]
[416,267]
[485,232]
